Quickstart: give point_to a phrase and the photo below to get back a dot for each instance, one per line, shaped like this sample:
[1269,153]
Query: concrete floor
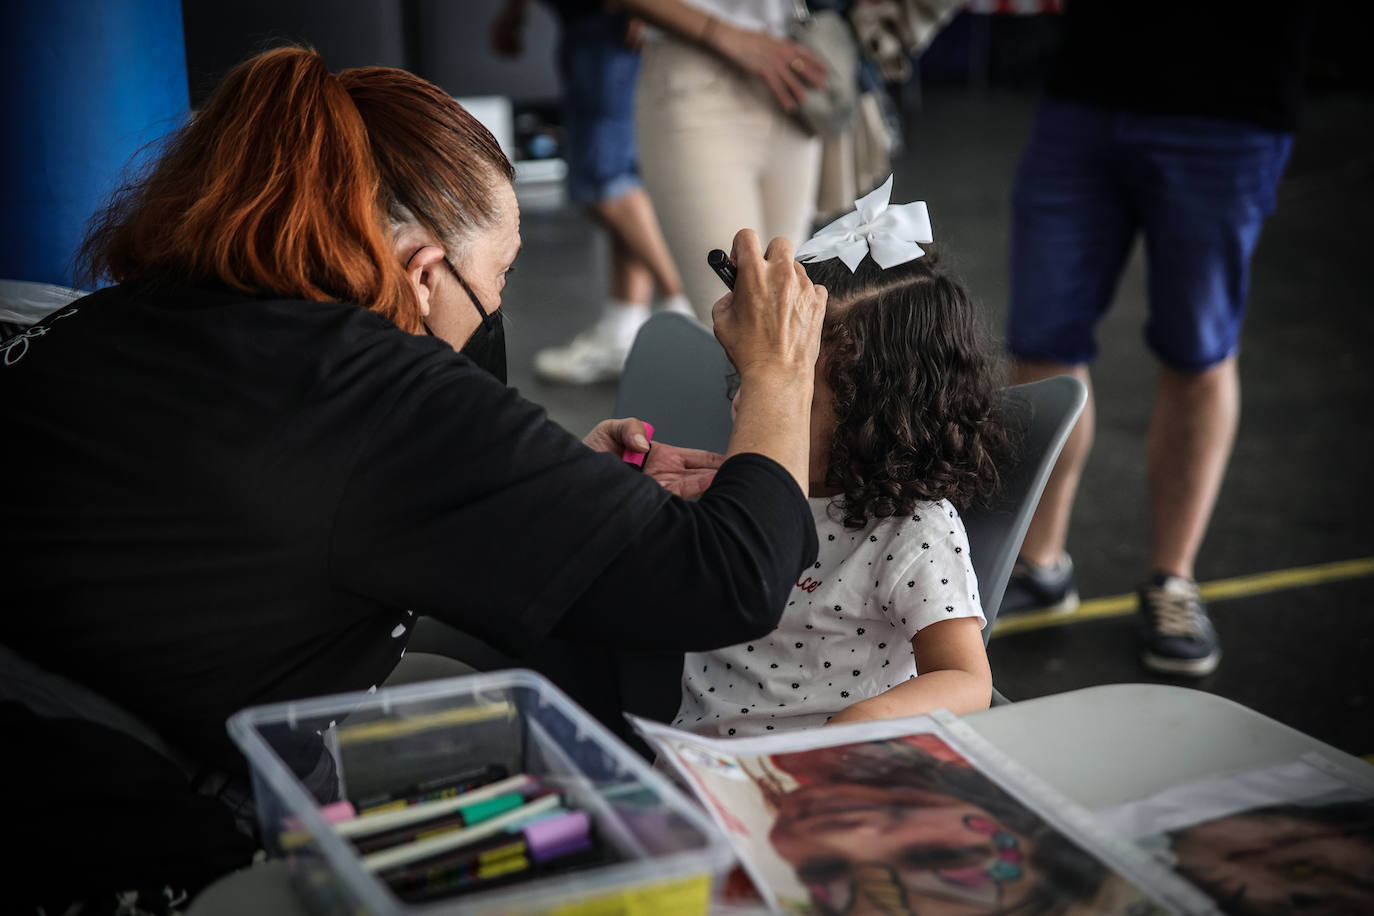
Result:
[1299,488]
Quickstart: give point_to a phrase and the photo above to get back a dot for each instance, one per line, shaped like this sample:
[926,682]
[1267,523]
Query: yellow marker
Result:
[397,728]
[397,805]
[295,839]
[502,866]
[685,897]
[515,847]
[401,804]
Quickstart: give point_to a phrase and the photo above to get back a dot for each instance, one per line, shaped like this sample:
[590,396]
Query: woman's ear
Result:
[421,270]
[418,253]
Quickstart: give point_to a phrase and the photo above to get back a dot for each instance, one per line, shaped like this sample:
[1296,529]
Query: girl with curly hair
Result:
[905,432]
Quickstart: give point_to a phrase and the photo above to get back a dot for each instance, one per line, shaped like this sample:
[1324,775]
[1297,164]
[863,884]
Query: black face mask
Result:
[487,345]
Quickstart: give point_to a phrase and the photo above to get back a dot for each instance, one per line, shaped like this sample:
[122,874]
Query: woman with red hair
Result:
[241,472]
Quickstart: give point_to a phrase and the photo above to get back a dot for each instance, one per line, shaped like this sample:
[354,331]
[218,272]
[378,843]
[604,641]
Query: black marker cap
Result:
[719,261]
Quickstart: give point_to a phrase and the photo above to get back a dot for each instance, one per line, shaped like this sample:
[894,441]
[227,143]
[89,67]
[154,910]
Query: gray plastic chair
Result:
[674,379]
[1048,410]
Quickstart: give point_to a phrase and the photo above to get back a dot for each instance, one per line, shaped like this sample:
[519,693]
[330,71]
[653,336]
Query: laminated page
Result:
[1296,837]
[907,816]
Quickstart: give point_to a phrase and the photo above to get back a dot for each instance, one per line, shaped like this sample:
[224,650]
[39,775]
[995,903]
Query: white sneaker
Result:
[593,356]
[679,304]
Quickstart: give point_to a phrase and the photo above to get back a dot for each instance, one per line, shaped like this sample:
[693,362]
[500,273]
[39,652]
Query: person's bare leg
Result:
[631,281]
[598,354]
[1049,528]
[1188,446]
[632,222]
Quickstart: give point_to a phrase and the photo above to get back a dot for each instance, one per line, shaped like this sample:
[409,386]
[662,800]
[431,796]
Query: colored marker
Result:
[467,816]
[631,457]
[542,836]
[430,790]
[404,817]
[387,729]
[536,844]
[553,839]
[502,872]
[424,849]
[720,263]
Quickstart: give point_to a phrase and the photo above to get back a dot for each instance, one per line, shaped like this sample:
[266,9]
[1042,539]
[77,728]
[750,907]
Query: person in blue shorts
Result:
[1173,122]
[598,61]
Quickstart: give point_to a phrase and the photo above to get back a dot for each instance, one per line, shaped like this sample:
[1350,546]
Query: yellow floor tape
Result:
[1220,590]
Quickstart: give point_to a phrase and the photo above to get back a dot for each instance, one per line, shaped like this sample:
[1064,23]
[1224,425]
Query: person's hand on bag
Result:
[789,70]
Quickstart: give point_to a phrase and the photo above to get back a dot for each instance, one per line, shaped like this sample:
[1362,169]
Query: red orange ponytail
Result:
[275,189]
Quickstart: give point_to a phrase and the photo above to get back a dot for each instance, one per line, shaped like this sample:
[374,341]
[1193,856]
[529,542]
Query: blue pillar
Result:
[89,85]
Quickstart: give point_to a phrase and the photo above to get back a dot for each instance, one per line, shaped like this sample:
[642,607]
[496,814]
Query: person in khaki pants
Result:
[598,61]
[719,149]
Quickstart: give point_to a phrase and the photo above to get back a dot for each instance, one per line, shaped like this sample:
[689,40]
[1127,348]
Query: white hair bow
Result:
[889,233]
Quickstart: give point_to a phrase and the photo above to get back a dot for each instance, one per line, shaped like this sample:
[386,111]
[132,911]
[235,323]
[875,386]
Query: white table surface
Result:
[1105,745]
[1098,746]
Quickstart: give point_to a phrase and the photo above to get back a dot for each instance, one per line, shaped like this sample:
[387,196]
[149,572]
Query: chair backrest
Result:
[675,378]
[1048,408]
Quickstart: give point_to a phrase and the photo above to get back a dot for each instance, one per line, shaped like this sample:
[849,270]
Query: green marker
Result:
[480,811]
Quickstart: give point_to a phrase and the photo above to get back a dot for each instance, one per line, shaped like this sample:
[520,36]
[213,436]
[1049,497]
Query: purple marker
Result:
[558,837]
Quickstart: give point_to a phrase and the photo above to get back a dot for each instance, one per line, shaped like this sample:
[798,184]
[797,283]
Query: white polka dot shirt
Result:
[846,633]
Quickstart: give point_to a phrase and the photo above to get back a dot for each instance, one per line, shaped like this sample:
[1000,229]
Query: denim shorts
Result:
[598,74]
[1199,189]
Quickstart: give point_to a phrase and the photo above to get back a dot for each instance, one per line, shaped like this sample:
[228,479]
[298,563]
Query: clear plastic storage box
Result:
[670,855]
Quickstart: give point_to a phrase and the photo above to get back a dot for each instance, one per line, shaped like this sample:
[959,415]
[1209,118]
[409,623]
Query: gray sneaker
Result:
[1047,589]
[1176,633]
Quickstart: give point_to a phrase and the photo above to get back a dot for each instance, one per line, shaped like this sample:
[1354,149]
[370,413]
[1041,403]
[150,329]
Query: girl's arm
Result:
[954,675]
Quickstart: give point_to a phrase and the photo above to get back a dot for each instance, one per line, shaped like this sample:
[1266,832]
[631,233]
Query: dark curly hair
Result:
[914,387]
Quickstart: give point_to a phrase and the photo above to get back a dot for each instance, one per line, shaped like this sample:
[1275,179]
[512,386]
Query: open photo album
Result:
[907,816]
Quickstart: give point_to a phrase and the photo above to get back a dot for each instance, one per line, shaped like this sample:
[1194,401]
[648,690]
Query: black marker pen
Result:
[720,263]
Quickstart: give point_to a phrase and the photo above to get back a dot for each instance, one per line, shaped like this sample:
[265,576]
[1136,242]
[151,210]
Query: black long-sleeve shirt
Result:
[217,501]
[1215,58]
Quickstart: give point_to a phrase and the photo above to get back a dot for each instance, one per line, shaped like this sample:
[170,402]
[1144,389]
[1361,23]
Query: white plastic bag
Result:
[24,303]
